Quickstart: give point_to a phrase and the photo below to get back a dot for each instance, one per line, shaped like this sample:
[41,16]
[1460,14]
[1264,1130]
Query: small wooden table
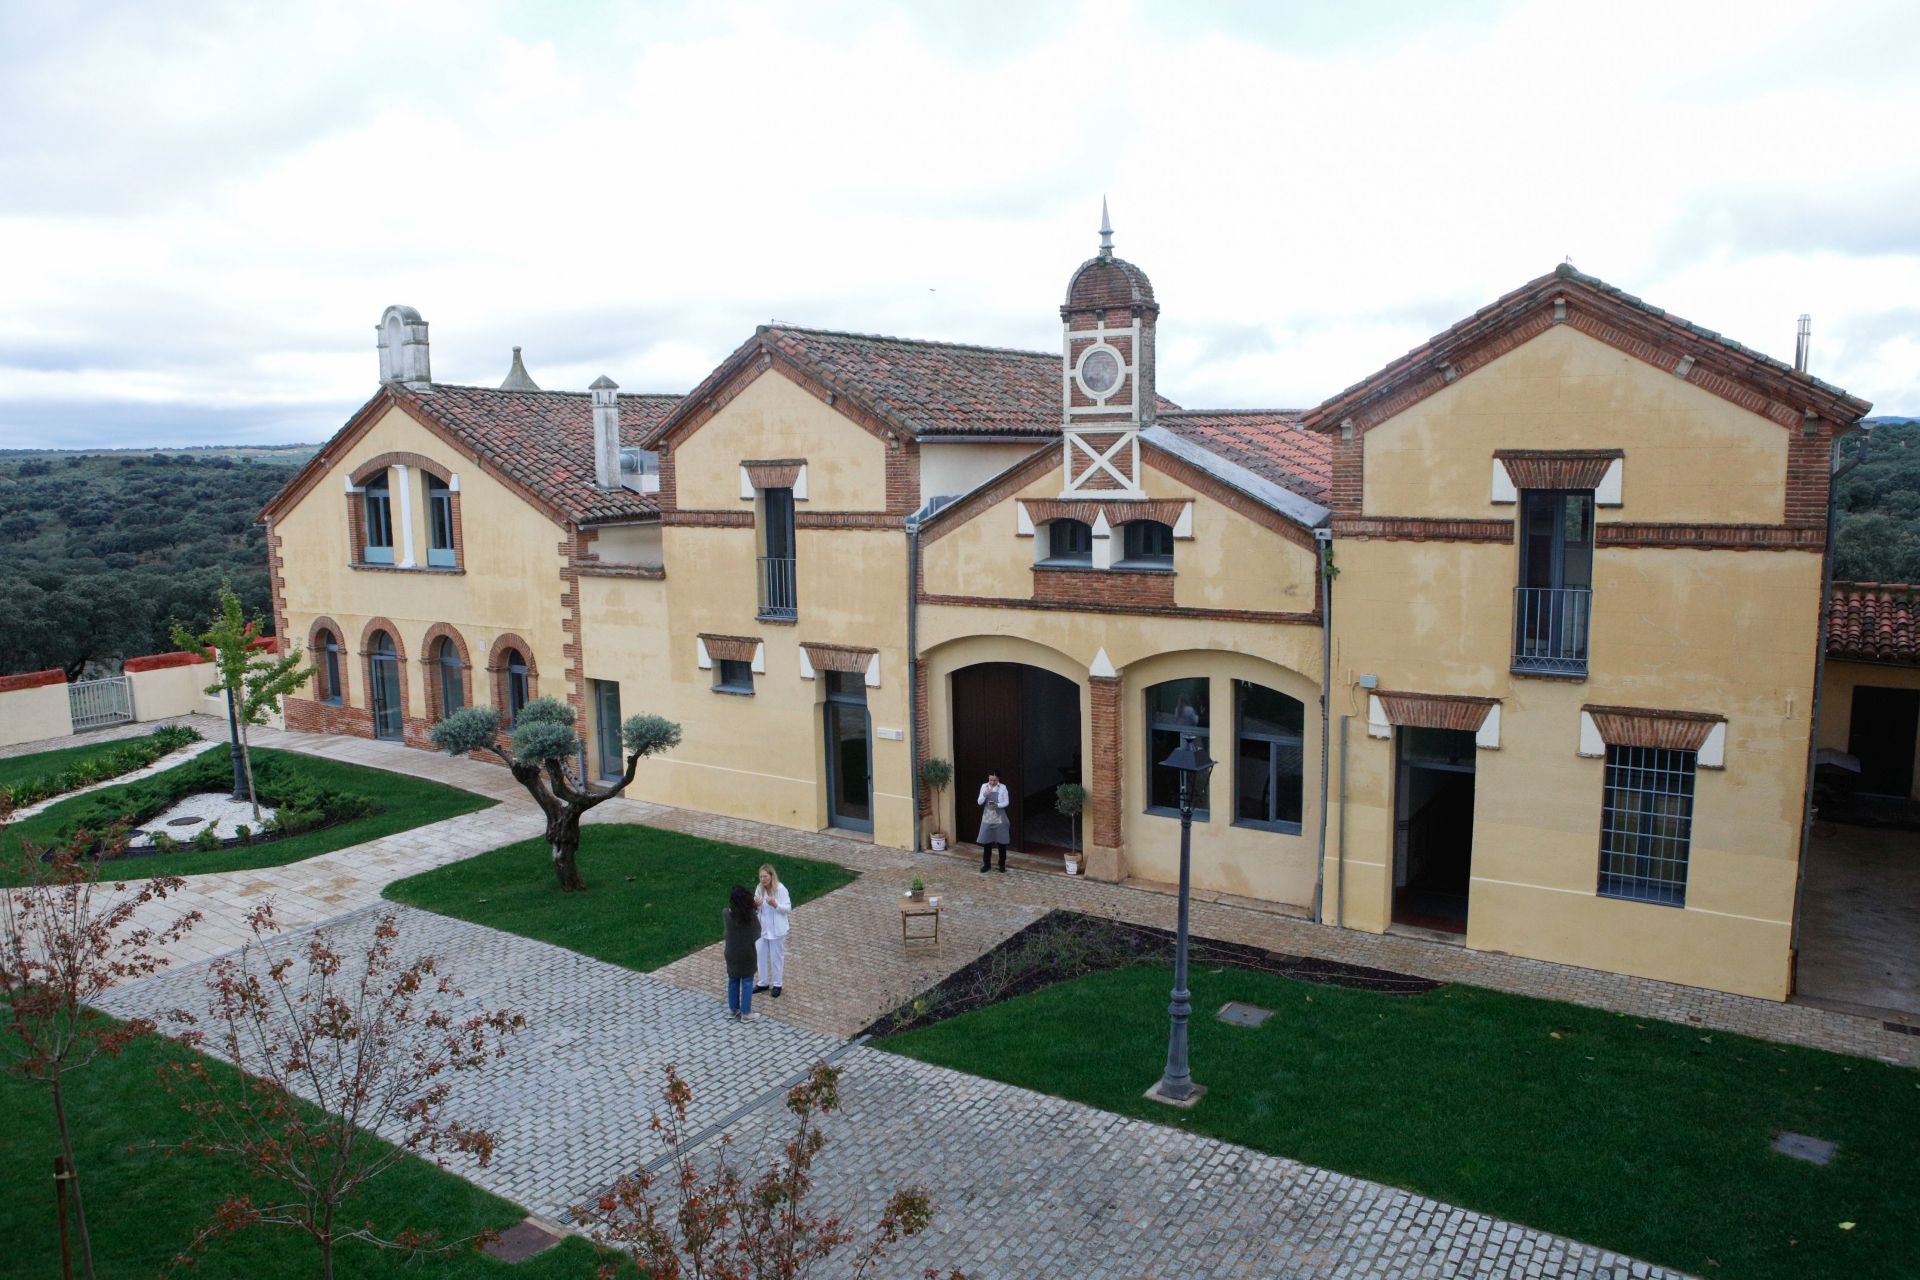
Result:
[928,907]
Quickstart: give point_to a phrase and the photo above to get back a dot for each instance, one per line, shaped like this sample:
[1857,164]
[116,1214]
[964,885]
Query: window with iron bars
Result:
[1646,824]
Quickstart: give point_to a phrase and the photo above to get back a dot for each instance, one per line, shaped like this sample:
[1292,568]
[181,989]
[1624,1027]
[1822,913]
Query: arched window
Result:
[1268,758]
[328,646]
[516,673]
[1149,545]
[1069,541]
[440,524]
[1175,709]
[383,671]
[378,505]
[452,677]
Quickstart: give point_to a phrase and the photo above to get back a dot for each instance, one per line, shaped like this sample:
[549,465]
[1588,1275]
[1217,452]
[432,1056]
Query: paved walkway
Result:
[1025,1185]
[1860,927]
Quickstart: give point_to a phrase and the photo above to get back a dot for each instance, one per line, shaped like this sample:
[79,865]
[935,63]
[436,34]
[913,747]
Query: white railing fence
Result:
[97,703]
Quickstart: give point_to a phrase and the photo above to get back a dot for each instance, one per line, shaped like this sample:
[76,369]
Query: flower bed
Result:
[299,806]
[137,754]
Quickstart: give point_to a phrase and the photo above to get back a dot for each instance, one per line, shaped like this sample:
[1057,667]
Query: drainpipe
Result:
[913,673]
[1820,677]
[1323,542]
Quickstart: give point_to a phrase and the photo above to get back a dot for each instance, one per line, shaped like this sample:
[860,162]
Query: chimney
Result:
[517,378]
[1802,343]
[606,432]
[403,349]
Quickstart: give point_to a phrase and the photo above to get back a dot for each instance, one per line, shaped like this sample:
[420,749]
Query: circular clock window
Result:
[1100,370]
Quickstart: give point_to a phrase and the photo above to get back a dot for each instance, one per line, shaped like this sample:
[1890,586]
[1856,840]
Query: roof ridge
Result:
[912,342]
[545,391]
[1230,413]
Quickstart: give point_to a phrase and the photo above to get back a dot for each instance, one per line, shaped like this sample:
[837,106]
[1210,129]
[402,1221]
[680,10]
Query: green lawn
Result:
[1645,1137]
[144,1204]
[15,770]
[652,896]
[401,802]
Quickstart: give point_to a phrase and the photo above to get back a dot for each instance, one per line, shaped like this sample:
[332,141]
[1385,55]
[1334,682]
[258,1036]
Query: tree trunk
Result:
[563,838]
[73,1178]
[246,763]
[325,1238]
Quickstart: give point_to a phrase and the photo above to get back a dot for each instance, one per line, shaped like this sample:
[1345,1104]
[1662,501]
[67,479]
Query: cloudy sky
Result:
[204,208]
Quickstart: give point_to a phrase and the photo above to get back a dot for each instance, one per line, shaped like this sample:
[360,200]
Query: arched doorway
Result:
[1022,722]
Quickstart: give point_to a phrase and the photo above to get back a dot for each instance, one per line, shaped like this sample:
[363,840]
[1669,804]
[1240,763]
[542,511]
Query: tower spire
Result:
[1106,230]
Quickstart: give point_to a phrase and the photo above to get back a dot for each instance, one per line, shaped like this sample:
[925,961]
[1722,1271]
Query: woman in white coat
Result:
[775,906]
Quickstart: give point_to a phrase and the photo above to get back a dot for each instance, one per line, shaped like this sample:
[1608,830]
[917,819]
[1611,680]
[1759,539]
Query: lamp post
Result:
[1176,1085]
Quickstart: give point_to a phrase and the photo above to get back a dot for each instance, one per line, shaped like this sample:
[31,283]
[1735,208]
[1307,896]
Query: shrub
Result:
[136,754]
[206,839]
[243,833]
[164,842]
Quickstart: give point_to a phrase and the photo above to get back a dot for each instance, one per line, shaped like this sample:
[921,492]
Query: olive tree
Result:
[541,753]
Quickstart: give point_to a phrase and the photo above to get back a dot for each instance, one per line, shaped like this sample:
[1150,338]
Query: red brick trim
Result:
[731,648]
[780,473]
[1086,510]
[317,657]
[1138,610]
[1103,698]
[160,661]
[276,575]
[382,624]
[1648,727]
[33,679]
[1011,481]
[400,667]
[834,657]
[922,740]
[365,470]
[1720,537]
[1435,710]
[1422,529]
[847,520]
[709,519]
[577,546]
[1557,468]
[430,659]
[1122,588]
[1184,472]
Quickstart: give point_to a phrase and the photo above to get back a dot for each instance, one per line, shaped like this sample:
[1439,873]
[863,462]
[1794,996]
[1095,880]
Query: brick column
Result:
[1106,854]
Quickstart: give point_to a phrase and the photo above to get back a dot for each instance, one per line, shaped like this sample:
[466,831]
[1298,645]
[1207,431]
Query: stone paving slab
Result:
[571,1101]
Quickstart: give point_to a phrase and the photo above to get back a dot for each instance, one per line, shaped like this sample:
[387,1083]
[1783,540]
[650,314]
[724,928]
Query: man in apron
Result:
[994,828]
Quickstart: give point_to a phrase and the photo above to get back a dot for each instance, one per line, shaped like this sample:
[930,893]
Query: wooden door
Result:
[986,737]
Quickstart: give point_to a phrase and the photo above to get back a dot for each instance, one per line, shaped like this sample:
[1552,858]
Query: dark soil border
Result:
[1063,945]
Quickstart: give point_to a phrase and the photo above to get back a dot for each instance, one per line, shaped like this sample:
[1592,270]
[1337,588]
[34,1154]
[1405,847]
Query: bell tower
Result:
[1106,373]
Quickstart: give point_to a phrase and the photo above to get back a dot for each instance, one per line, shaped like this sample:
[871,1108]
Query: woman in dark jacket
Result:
[742,929]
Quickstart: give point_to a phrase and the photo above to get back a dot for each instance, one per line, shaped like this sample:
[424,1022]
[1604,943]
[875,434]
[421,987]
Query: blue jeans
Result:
[740,994]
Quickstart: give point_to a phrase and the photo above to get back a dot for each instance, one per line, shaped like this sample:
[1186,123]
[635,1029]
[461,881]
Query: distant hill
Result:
[290,455]
[102,552]
[1878,535]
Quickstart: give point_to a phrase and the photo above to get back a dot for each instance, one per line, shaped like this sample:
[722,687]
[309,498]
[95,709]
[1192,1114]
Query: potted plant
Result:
[937,773]
[1070,798]
[917,889]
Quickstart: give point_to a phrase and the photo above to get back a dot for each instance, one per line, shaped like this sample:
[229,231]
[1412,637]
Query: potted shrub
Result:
[1070,798]
[917,889]
[937,773]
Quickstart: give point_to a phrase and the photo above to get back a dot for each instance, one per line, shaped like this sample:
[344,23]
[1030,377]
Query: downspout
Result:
[1819,680]
[913,673]
[1323,540]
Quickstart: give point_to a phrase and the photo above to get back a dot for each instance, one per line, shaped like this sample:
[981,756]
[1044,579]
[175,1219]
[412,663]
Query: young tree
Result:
[251,676]
[62,943]
[372,1042]
[720,1226]
[541,754]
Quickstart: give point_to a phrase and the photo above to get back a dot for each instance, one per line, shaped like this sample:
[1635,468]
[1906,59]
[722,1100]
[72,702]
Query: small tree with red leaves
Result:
[63,941]
[373,1043]
[721,1226]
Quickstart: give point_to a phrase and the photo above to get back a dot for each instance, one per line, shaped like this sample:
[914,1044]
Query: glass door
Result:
[606,728]
[385,664]
[849,753]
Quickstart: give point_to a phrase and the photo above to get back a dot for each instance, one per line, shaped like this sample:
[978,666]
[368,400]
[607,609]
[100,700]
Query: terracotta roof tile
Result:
[1874,622]
[544,441]
[1271,443]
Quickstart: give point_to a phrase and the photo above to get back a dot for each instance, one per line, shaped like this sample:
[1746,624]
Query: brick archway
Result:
[430,669]
[317,659]
[497,670]
[399,664]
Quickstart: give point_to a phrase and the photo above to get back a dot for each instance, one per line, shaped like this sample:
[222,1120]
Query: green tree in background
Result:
[252,676]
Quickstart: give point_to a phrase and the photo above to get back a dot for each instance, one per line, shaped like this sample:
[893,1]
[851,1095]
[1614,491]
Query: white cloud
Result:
[210,206]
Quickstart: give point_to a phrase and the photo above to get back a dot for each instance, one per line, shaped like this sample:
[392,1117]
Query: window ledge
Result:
[1564,677]
[394,568]
[1143,566]
[1644,902]
[778,619]
[738,693]
[1063,564]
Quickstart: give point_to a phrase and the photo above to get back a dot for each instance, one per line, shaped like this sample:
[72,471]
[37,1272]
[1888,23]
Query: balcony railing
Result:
[777,599]
[1550,629]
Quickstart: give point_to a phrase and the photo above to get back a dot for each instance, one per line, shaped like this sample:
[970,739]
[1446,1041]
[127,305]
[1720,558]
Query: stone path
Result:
[1025,1184]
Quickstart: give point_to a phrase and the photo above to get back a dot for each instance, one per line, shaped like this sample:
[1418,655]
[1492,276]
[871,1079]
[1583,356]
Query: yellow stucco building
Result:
[1514,642]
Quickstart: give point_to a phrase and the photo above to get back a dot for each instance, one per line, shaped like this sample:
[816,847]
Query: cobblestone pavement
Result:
[1026,1185]
[571,1101]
